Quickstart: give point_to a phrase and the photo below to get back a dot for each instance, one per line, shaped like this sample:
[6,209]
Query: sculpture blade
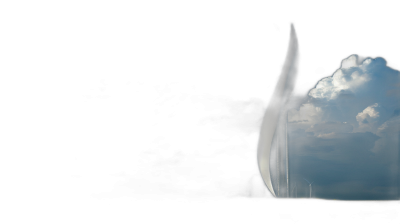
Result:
[272,114]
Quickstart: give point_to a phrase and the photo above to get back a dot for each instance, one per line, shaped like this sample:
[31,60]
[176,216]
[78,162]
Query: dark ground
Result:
[168,108]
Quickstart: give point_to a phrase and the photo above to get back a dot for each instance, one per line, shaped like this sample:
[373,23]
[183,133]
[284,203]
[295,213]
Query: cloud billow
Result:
[330,127]
[345,136]
[361,95]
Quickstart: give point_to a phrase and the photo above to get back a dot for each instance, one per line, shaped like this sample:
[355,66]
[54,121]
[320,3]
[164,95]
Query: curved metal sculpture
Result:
[280,97]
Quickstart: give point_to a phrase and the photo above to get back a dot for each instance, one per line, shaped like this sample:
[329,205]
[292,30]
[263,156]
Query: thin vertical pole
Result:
[278,170]
[287,158]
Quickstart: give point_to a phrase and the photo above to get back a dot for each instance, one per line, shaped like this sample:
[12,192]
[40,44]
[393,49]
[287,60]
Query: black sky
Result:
[169,105]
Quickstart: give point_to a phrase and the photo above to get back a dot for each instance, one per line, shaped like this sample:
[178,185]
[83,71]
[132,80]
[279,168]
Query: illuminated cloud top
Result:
[363,94]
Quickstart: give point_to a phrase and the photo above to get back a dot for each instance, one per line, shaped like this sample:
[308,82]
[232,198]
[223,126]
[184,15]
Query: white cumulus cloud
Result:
[367,119]
[364,95]
[348,129]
